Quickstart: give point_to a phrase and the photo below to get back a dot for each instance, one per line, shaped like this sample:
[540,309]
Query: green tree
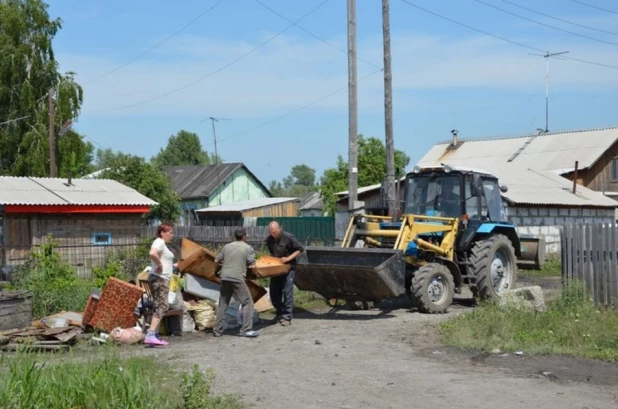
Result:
[144,177]
[371,170]
[184,148]
[28,70]
[298,183]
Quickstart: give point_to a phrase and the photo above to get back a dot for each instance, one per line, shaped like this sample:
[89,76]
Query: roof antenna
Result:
[214,134]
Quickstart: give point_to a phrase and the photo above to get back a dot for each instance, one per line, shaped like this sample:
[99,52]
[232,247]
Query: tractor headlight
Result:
[416,169]
[447,169]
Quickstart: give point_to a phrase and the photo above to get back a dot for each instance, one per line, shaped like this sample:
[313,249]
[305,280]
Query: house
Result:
[245,212]
[311,205]
[595,151]
[86,218]
[200,187]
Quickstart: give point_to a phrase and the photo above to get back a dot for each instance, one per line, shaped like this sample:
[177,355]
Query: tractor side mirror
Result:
[504,188]
[476,187]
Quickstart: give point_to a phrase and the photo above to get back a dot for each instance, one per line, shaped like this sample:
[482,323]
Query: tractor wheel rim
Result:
[436,290]
[500,271]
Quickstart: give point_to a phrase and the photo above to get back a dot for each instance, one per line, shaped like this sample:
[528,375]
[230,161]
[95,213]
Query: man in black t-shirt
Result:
[285,246]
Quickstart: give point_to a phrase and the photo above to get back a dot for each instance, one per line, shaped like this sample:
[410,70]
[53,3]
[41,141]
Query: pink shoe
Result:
[154,340]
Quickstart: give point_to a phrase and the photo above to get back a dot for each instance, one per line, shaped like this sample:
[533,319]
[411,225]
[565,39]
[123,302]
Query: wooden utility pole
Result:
[388,112]
[52,134]
[352,109]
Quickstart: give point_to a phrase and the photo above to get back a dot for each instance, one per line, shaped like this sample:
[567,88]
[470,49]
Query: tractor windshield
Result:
[433,195]
[493,200]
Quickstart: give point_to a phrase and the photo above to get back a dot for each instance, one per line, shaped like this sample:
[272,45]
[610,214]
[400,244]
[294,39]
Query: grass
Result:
[551,268]
[31,381]
[570,326]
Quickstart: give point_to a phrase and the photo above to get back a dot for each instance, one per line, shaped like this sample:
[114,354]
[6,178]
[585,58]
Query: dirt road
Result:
[386,359]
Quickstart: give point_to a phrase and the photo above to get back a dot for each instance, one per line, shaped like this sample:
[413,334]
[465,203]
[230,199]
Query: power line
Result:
[560,19]
[545,25]
[219,69]
[595,7]
[157,45]
[297,109]
[314,35]
[503,38]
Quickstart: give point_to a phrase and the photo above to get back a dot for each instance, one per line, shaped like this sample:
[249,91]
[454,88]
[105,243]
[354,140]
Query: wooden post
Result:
[352,109]
[388,112]
[52,134]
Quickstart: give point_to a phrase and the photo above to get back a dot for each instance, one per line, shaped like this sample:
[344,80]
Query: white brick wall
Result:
[545,222]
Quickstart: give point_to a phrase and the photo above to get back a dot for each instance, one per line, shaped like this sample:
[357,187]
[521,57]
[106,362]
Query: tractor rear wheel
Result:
[494,267]
[433,288]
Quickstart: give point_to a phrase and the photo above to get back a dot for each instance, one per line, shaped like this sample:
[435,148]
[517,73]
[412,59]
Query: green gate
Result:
[308,230]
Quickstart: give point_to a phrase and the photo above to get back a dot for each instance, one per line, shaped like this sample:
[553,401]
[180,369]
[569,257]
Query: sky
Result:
[151,68]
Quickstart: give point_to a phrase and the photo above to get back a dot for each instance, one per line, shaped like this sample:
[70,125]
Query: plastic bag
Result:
[203,314]
[188,324]
[234,316]
[127,336]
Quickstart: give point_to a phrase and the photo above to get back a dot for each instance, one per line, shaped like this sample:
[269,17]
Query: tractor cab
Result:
[459,193]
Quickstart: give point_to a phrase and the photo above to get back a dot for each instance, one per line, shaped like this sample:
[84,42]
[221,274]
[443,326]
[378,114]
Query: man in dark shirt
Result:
[284,245]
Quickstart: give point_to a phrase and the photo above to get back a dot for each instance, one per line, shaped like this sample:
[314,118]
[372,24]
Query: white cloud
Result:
[288,73]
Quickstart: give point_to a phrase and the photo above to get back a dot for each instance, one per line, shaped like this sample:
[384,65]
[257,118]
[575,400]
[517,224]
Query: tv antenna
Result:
[214,135]
[547,55]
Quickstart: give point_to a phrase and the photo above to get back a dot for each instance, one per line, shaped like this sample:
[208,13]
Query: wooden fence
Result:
[212,234]
[590,256]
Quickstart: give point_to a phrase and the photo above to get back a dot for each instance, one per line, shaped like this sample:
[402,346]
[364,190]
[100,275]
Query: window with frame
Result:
[614,170]
[101,239]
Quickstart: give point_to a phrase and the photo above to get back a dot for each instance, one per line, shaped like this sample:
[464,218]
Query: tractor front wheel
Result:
[494,267]
[433,288]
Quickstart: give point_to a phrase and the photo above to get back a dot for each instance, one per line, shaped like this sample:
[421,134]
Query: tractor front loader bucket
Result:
[352,274]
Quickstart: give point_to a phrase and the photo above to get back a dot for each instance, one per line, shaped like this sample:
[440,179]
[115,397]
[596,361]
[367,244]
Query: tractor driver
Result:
[448,202]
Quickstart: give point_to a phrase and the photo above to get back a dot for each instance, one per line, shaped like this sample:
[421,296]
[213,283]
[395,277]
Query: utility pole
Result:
[214,134]
[52,134]
[388,113]
[352,109]
[546,56]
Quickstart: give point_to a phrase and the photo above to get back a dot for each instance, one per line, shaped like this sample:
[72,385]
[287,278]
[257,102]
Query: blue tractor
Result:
[453,232]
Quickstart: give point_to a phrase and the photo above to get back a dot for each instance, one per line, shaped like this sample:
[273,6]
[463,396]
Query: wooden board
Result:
[197,260]
[268,266]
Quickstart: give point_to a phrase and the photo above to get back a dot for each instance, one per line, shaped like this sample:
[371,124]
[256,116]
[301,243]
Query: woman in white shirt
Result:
[161,270]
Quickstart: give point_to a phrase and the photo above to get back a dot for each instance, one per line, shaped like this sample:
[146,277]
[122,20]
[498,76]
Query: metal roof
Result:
[365,189]
[56,191]
[529,187]
[539,187]
[312,201]
[247,205]
[199,181]
[552,151]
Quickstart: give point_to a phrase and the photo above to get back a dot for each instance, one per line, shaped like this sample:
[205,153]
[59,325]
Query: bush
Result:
[30,381]
[53,283]
[123,264]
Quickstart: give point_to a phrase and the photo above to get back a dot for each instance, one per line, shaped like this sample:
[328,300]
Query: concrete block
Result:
[575,212]
[538,221]
[543,211]
[553,212]
[527,221]
[534,211]
[549,221]
[563,211]
[524,298]
[586,212]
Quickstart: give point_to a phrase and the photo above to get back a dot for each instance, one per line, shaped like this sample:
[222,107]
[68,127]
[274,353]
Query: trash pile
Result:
[122,311]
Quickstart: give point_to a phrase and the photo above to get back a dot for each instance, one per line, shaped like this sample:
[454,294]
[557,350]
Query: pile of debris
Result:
[122,311]
[55,333]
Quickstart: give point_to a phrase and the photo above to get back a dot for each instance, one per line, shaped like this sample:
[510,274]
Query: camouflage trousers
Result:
[160,293]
